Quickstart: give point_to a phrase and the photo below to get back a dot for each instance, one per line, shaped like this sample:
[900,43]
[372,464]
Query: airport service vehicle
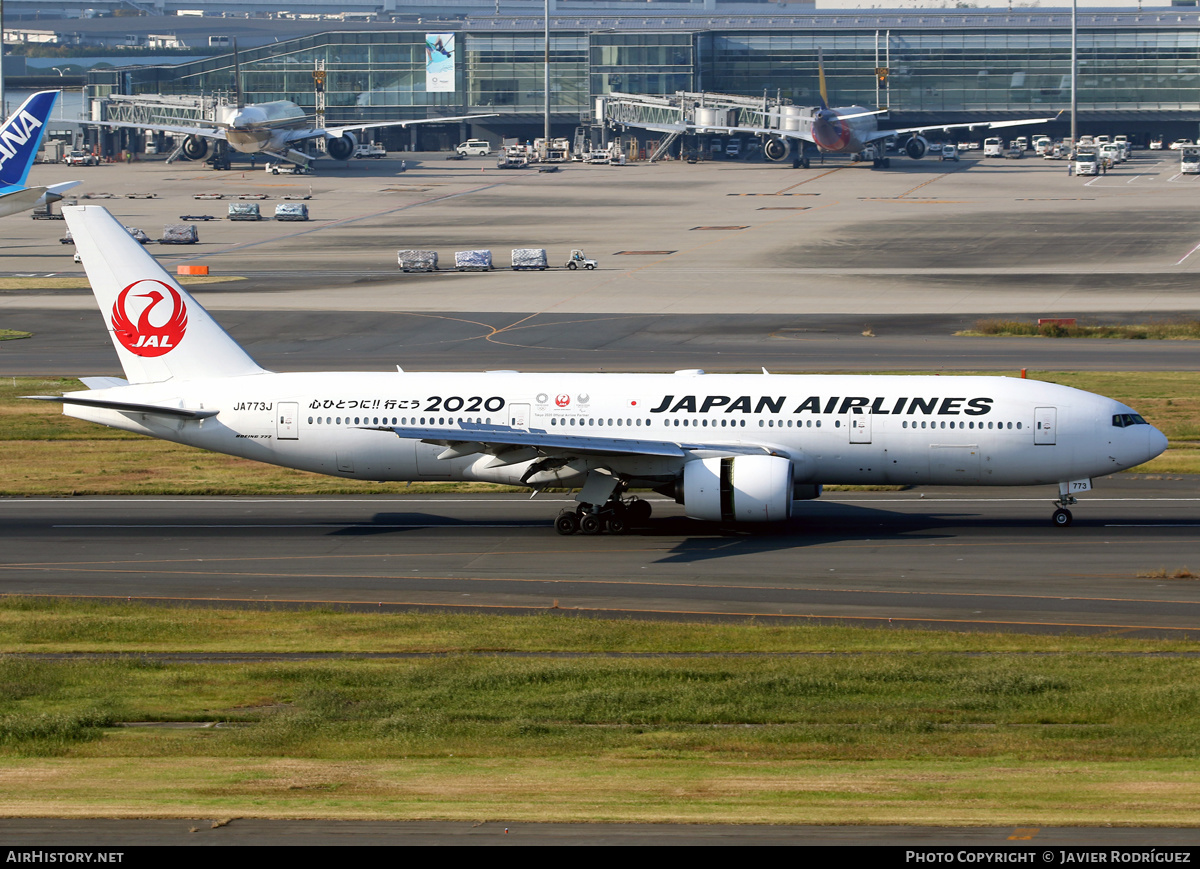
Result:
[1180,143]
[20,137]
[1041,145]
[1015,152]
[273,128]
[949,152]
[474,148]
[372,150]
[81,158]
[287,169]
[1189,160]
[1109,153]
[1022,142]
[993,147]
[730,448]
[1087,162]
[578,260]
[733,149]
[1102,140]
[846,130]
[1156,144]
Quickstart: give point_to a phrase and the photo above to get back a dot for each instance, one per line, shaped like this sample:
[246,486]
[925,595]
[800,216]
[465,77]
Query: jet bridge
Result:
[685,109]
[157,109]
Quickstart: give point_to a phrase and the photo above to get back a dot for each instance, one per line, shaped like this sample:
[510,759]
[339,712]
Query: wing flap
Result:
[505,443]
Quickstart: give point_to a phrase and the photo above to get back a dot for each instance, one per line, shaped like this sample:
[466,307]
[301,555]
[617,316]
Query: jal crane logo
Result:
[161,322]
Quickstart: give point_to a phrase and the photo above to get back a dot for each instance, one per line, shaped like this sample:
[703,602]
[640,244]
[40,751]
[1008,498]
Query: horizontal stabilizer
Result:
[127,406]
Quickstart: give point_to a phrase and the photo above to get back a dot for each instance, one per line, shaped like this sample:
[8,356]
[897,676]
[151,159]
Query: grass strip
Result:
[1171,331]
[942,734]
[12,334]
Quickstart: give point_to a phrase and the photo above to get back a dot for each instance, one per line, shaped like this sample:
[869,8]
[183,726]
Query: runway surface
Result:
[963,560]
[70,343]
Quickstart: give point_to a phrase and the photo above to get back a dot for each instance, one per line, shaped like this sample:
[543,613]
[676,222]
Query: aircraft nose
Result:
[1156,443]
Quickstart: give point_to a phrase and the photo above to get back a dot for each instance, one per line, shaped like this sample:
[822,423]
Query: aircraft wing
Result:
[945,128]
[336,132]
[472,438]
[209,132]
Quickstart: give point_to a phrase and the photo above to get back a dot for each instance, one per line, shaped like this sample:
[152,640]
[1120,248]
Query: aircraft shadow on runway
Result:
[812,525]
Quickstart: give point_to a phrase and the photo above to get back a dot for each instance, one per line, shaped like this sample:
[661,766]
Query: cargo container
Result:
[417,260]
[179,233]
[244,211]
[291,211]
[529,258]
[473,260]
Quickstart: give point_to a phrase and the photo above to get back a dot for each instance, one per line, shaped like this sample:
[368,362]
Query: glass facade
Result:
[965,71]
[507,73]
[950,65]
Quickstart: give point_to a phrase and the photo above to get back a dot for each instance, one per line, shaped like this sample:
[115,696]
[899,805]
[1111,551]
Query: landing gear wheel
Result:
[805,163]
[590,523]
[1062,517]
[639,512]
[566,523]
[618,524]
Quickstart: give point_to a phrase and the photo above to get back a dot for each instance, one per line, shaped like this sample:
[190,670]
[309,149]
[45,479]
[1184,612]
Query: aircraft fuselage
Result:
[865,429]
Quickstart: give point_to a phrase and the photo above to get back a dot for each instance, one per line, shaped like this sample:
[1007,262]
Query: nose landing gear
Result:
[1062,517]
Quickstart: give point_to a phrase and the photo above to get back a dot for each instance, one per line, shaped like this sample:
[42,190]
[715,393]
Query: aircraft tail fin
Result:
[159,331]
[821,78]
[237,78]
[21,136]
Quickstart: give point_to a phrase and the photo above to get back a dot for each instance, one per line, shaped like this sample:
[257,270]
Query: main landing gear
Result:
[615,517]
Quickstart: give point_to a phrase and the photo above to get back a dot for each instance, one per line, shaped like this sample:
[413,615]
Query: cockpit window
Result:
[1123,420]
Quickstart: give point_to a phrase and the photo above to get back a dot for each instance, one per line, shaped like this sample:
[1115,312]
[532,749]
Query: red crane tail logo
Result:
[158,328]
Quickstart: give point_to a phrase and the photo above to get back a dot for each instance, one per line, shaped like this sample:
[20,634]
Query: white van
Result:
[993,148]
[474,148]
[1189,160]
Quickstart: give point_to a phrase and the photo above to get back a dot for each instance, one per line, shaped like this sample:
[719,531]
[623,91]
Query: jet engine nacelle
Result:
[195,147]
[737,489]
[776,150]
[916,147]
[341,147]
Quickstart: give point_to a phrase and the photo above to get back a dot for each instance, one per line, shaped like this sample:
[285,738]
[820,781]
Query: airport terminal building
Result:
[1139,71]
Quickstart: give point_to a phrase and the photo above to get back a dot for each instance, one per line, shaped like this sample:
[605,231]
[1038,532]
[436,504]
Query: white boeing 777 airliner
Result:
[728,447]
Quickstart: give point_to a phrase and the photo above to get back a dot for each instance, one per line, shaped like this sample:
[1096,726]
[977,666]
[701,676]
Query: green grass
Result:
[806,725]
[11,334]
[1177,330]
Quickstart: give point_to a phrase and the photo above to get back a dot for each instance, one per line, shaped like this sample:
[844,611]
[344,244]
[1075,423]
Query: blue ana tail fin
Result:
[21,137]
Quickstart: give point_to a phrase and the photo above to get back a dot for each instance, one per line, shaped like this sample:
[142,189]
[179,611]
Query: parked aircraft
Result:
[728,447]
[272,129]
[20,138]
[848,130]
